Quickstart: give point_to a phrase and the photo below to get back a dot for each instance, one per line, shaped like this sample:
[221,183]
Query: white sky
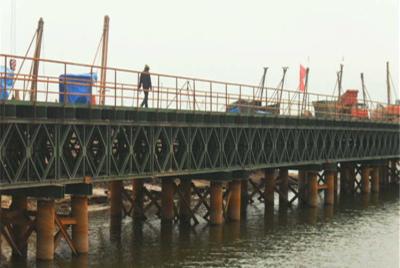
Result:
[223,40]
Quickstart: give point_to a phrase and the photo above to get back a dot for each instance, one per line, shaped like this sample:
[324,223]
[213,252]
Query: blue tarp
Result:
[81,84]
[6,82]
[234,110]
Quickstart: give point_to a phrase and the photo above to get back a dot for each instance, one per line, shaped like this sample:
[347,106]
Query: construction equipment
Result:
[77,88]
[256,105]
[390,112]
[246,106]
[346,106]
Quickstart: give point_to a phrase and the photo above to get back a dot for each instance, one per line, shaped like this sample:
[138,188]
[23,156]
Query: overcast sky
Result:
[223,40]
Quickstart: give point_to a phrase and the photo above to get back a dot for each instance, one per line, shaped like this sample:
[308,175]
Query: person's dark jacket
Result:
[145,81]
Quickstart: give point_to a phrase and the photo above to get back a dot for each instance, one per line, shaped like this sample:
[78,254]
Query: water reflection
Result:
[81,261]
[216,234]
[267,238]
[328,213]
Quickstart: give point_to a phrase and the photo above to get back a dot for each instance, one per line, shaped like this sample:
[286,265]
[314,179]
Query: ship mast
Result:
[104,56]
[340,77]
[363,89]
[36,56]
[388,83]
[282,85]
[263,85]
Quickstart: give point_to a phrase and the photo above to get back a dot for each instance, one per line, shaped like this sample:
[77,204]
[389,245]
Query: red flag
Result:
[303,72]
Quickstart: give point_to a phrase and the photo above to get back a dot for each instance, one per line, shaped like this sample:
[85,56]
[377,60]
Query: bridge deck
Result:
[44,144]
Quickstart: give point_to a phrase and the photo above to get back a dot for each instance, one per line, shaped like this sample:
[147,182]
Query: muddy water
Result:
[359,232]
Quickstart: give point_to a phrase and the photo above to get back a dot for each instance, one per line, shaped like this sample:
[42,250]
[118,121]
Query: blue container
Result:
[80,84]
[6,82]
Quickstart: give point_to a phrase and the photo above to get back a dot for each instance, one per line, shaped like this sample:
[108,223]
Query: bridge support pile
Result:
[19,221]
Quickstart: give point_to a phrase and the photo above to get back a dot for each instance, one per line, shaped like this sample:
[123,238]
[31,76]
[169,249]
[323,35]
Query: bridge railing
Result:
[120,89]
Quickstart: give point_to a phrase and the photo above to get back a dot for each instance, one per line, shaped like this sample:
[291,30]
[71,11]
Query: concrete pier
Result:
[45,229]
[234,202]
[216,199]
[80,230]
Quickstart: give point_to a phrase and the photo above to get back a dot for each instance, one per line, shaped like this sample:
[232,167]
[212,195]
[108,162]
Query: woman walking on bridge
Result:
[145,81]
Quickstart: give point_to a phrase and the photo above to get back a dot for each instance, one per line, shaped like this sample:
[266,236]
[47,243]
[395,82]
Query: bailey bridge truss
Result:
[66,144]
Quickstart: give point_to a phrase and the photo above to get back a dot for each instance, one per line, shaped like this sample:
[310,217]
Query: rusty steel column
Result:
[45,229]
[375,179]
[234,202]
[301,182]
[330,187]
[343,176]
[365,171]
[347,174]
[383,174]
[116,201]
[283,186]
[244,196]
[1,215]
[80,230]
[167,200]
[335,187]
[185,200]
[393,170]
[137,197]
[269,192]
[216,199]
[19,204]
[312,178]
[351,179]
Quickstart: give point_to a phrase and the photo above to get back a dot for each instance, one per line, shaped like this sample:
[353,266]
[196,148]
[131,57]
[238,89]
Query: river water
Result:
[358,232]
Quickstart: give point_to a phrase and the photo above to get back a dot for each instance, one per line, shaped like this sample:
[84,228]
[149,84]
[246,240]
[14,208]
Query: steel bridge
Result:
[55,144]
[187,130]
[194,129]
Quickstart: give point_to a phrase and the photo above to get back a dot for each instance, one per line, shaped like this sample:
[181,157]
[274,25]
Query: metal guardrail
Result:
[178,93]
